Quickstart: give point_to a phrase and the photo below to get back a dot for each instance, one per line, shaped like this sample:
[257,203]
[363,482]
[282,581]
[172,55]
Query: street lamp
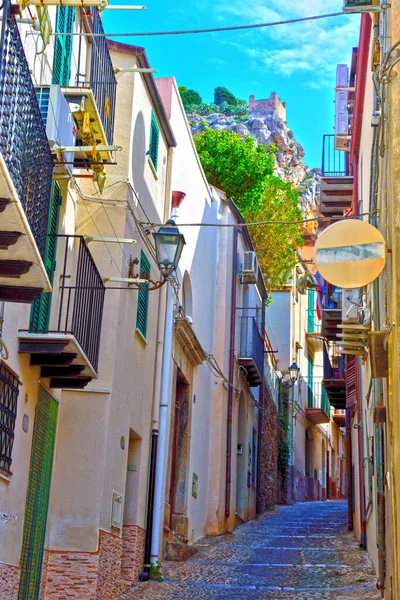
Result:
[293,375]
[169,245]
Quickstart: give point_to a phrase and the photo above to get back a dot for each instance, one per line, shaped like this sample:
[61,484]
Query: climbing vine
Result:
[284,447]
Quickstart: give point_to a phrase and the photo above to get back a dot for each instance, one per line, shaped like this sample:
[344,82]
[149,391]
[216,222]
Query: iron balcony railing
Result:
[81,298]
[335,163]
[23,141]
[318,398]
[251,342]
[336,370]
[102,79]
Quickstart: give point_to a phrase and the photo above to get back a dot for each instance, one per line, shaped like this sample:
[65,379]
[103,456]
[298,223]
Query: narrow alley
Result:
[302,552]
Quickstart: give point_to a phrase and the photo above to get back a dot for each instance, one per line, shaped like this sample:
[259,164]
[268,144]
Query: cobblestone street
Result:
[299,552]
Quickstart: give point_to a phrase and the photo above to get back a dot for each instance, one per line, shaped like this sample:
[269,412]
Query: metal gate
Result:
[37,500]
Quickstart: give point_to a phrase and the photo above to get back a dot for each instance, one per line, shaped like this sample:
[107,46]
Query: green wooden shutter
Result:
[63,45]
[311,311]
[310,369]
[38,494]
[143,296]
[154,140]
[40,312]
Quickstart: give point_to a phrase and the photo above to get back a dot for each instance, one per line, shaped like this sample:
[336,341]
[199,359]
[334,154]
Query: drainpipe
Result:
[260,417]
[231,376]
[349,460]
[363,540]
[162,449]
[144,576]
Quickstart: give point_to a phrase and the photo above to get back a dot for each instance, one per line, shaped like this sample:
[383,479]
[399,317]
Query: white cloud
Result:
[313,47]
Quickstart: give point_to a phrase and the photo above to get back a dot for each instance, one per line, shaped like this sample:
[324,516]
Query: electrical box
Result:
[116,510]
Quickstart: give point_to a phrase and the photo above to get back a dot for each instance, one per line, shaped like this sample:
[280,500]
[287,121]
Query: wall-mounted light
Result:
[169,245]
[294,372]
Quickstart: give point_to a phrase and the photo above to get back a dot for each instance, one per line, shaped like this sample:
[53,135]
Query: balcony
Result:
[334,381]
[339,417]
[26,170]
[332,313]
[318,409]
[68,351]
[94,95]
[251,353]
[336,182]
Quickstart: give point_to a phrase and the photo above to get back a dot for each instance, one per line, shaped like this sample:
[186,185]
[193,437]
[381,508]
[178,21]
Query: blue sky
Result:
[297,61]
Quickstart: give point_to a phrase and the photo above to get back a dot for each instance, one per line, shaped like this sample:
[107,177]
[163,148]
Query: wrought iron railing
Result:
[336,369]
[318,398]
[81,298]
[102,78]
[335,163]
[251,342]
[23,141]
[81,305]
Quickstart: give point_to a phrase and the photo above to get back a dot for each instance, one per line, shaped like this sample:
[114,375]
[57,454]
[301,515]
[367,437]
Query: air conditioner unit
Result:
[342,76]
[361,6]
[350,305]
[341,122]
[250,267]
[59,123]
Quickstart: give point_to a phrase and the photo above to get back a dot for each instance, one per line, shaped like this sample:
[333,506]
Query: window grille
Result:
[154,139]
[143,296]
[9,390]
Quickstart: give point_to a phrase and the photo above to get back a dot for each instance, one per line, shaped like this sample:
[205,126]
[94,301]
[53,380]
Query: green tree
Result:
[221,94]
[189,96]
[245,172]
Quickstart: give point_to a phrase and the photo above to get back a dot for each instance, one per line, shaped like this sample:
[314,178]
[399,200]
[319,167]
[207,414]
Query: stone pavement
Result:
[299,552]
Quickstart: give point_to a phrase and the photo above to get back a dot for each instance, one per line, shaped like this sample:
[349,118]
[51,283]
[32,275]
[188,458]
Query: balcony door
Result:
[37,497]
[40,312]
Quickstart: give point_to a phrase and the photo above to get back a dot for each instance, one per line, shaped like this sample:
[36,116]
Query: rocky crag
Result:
[266,122]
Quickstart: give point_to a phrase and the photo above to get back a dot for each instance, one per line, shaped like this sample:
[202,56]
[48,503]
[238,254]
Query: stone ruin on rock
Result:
[272,106]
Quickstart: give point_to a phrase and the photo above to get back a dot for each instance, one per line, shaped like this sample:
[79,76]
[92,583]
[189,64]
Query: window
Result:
[154,139]
[9,390]
[63,45]
[143,296]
